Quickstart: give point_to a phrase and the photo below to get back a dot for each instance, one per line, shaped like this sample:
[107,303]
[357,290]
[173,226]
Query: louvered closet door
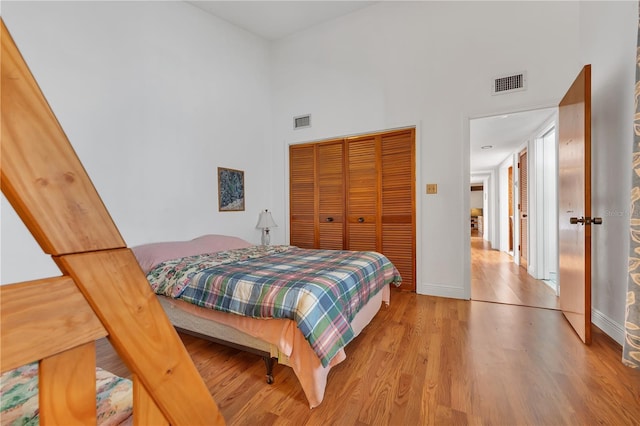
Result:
[357,194]
[330,180]
[362,193]
[398,203]
[302,177]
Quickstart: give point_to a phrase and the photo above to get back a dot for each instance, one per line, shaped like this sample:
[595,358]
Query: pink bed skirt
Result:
[285,335]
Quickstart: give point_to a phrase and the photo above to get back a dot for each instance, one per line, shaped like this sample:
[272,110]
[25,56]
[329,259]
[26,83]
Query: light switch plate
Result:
[432,188]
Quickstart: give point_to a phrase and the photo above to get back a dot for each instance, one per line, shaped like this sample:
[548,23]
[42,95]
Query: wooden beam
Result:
[28,316]
[67,387]
[139,330]
[147,412]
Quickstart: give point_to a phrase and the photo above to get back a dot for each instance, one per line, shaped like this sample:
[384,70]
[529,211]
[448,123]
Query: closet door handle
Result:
[361,219]
[329,219]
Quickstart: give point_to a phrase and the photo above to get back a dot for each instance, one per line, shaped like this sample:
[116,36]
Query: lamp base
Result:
[266,239]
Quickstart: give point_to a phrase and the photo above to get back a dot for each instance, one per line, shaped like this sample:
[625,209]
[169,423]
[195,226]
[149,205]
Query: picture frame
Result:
[230,190]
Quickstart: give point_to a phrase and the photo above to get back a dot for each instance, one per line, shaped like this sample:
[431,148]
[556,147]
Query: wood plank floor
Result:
[495,278]
[429,360]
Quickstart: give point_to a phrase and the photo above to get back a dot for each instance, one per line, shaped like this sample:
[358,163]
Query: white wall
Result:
[476,199]
[153,96]
[490,231]
[428,64]
[503,179]
[550,183]
[608,34]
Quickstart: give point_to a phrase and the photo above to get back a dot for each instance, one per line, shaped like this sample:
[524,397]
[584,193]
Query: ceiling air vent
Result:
[509,83]
[302,121]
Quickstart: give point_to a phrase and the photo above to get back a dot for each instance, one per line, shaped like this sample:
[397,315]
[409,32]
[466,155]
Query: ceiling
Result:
[273,20]
[505,134]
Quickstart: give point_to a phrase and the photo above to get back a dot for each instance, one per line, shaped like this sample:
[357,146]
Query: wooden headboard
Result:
[102,292]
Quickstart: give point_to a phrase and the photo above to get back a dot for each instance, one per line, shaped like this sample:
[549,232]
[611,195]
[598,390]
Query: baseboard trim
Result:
[609,326]
[552,285]
[440,290]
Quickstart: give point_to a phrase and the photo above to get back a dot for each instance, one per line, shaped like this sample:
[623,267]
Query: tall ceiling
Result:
[273,20]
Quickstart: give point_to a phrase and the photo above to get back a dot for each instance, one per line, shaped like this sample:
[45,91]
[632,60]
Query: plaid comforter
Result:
[322,290]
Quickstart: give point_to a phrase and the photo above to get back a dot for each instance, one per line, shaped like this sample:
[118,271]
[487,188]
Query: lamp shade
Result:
[265,220]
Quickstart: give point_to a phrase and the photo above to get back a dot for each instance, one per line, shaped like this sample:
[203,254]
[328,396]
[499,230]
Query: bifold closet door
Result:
[398,203]
[302,183]
[357,193]
[316,195]
[363,193]
[330,187]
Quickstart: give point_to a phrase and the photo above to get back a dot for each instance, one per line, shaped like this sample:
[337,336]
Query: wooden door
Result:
[302,175]
[363,193]
[398,203]
[523,206]
[330,187]
[574,201]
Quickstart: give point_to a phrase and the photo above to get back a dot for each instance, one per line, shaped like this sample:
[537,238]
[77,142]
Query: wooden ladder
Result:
[103,291]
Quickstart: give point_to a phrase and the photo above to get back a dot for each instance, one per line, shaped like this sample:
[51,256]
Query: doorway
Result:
[519,265]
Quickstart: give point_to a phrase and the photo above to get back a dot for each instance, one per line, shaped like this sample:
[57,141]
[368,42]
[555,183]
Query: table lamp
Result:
[265,221]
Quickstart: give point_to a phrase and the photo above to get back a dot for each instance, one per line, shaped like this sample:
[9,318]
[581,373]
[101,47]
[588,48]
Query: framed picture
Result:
[230,190]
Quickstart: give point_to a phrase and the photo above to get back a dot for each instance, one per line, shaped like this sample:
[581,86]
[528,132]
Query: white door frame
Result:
[543,205]
[466,182]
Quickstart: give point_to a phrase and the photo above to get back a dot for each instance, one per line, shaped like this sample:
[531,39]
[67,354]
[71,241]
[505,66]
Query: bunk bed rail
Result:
[102,292]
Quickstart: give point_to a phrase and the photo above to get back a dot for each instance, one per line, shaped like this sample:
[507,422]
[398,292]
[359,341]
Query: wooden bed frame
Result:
[103,290]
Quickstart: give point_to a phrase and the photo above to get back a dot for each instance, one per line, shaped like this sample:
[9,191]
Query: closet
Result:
[356,193]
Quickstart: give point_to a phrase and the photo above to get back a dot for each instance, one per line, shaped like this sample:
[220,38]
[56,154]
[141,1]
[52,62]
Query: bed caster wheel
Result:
[268,361]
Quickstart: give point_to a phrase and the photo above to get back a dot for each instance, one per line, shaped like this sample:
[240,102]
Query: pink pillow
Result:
[150,255]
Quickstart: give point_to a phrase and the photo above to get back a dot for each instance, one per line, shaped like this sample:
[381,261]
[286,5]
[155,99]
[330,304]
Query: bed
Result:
[296,306]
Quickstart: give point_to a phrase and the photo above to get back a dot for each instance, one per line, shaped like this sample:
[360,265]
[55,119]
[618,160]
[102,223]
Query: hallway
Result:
[495,278]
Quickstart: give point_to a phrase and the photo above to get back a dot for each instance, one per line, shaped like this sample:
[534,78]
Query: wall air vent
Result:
[302,121]
[509,83]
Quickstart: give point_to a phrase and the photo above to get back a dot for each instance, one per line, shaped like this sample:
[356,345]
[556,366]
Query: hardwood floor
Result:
[495,278]
[429,360]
